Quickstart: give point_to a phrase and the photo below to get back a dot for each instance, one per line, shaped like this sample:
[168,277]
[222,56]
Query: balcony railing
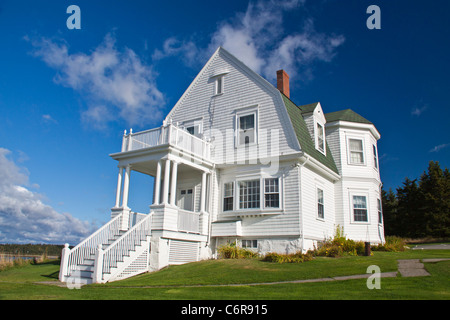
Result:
[171,135]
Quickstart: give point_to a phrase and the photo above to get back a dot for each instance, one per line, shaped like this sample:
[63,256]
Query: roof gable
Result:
[303,136]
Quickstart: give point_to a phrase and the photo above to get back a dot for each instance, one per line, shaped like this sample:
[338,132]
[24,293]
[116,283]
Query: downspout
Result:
[299,167]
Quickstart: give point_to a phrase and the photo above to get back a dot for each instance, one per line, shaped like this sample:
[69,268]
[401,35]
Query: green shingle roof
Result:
[302,133]
[346,115]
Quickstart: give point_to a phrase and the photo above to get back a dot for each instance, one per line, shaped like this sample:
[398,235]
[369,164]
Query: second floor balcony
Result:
[168,135]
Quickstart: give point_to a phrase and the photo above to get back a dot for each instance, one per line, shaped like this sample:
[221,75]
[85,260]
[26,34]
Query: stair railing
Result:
[88,247]
[115,253]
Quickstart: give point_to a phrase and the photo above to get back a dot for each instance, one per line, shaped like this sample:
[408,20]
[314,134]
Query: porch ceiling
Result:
[149,168]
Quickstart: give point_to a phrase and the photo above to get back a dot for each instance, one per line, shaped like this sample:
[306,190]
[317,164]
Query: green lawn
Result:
[185,281]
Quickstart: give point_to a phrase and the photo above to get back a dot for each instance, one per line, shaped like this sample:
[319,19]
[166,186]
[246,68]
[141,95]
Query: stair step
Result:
[79,280]
[81,274]
[84,267]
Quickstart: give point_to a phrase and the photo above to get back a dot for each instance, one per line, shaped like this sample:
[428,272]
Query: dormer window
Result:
[320,138]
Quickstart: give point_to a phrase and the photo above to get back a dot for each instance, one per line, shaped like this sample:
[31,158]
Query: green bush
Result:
[392,244]
[339,245]
[232,251]
[297,257]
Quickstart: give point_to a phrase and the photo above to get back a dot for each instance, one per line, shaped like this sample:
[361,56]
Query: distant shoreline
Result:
[15,255]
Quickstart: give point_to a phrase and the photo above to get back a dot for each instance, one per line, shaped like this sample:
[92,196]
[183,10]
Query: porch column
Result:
[203,194]
[119,187]
[126,187]
[157,186]
[166,182]
[173,183]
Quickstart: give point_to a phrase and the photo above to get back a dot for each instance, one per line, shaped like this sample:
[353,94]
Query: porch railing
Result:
[188,221]
[171,135]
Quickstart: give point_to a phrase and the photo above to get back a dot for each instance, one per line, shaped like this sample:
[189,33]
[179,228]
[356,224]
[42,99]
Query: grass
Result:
[22,283]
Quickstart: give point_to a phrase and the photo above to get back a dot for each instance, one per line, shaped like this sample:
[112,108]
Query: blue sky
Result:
[67,95]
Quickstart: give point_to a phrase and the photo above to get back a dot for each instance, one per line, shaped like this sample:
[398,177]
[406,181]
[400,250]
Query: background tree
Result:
[420,207]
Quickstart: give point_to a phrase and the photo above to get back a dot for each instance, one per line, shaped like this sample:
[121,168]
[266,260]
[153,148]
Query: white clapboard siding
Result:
[284,223]
[182,251]
[242,89]
[313,226]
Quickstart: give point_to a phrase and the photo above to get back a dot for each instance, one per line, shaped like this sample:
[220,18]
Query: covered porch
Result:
[179,202]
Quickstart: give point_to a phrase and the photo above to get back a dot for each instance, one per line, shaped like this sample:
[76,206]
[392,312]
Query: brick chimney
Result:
[283,82]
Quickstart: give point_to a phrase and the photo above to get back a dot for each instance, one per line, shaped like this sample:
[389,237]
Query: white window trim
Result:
[379,211]
[216,85]
[262,208]
[264,193]
[362,193]
[252,242]
[317,203]
[316,137]
[349,158]
[192,123]
[376,164]
[241,113]
[223,195]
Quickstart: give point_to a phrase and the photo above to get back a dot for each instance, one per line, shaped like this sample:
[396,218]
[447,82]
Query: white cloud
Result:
[173,47]
[116,82]
[24,218]
[417,111]
[258,38]
[440,147]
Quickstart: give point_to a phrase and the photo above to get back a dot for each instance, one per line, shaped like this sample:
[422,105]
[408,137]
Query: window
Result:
[360,209]
[320,138]
[249,243]
[194,127]
[219,85]
[271,193]
[356,151]
[194,130]
[380,213]
[320,207]
[246,125]
[249,194]
[228,196]
[375,157]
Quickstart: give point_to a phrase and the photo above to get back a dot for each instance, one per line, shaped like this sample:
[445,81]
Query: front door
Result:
[186,199]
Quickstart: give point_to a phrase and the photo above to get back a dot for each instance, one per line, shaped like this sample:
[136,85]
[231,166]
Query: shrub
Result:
[392,244]
[297,257]
[232,251]
[339,245]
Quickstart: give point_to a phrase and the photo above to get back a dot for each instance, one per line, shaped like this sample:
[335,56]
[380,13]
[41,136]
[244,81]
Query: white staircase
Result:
[109,254]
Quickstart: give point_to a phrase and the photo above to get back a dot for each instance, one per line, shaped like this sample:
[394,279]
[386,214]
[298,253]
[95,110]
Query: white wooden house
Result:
[236,160]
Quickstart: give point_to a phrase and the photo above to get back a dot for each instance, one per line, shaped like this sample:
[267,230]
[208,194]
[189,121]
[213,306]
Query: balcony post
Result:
[203,194]
[157,186]
[173,184]
[119,187]
[126,187]
[166,182]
